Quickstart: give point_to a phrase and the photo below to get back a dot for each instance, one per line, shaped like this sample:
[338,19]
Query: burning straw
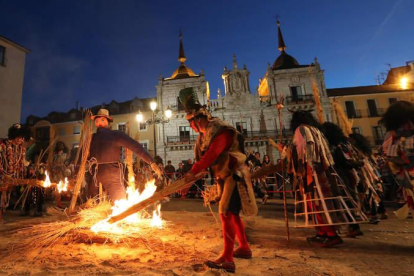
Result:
[37,238]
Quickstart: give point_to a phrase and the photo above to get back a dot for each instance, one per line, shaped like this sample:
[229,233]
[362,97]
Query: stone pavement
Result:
[385,249]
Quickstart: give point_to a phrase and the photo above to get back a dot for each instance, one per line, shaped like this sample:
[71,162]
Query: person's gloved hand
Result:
[189,177]
[156,169]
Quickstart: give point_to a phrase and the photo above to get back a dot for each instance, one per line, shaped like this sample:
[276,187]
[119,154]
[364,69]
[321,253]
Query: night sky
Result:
[97,51]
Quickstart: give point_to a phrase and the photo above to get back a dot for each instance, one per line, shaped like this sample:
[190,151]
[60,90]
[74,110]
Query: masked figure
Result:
[220,147]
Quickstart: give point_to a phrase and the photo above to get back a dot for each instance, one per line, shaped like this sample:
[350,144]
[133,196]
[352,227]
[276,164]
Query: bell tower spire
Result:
[234,62]
[181,55]
[282,46]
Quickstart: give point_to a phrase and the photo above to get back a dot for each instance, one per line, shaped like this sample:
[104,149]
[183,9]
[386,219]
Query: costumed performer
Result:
[398,147]
[220,147]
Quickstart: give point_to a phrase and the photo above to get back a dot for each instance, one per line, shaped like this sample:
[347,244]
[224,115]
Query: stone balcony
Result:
[300,99]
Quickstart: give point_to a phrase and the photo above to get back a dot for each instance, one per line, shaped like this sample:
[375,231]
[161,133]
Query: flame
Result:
[156,217]
[47,182]
[131,182]
[62,187]
[134,197]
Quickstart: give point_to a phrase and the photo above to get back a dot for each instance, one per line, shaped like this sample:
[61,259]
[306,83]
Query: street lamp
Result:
[404,83]
[139,117]
[155,120]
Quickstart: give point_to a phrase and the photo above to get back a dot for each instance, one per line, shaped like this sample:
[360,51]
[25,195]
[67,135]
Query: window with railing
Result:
[296,92]
[372,108]
[351,111]
[299,100]
[184,132]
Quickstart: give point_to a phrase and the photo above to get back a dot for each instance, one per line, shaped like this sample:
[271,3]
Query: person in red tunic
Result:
[220,147]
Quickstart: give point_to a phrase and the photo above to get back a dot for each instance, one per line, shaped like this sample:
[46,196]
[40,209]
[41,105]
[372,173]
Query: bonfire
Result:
[90,225]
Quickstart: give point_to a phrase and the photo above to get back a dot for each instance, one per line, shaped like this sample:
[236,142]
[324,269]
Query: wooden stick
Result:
[100,191]
[172,188]
[129,162]
[279,108]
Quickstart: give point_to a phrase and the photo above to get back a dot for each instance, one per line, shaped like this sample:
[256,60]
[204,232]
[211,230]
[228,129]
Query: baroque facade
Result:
[253,114]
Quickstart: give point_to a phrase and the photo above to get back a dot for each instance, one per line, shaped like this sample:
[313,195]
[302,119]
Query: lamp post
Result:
[155,120]
[139,118]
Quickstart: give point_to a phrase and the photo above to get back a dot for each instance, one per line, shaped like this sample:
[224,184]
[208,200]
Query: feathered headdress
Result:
[188,97]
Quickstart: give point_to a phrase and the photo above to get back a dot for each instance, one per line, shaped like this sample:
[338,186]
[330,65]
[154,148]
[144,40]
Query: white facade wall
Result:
[239,105]
[11,85]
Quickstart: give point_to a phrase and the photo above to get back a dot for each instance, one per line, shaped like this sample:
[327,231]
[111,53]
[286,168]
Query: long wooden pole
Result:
[279,107]
[172,188]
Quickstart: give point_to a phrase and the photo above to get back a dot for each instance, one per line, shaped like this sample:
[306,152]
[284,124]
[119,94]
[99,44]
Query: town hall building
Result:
[253,114]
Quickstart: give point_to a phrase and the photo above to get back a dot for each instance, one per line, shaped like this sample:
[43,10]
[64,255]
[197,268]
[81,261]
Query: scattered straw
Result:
[37,238]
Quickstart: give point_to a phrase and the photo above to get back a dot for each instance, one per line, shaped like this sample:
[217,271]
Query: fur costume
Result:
[221,168]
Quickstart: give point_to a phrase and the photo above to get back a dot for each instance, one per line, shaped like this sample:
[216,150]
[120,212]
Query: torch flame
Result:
[134,197]
[47,182]
[62,187]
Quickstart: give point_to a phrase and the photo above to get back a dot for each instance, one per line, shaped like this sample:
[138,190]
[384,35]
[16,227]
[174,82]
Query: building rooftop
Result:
[363,90]
[396,73]
[15,44]
[182,71]
[74,114]
[284,60]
